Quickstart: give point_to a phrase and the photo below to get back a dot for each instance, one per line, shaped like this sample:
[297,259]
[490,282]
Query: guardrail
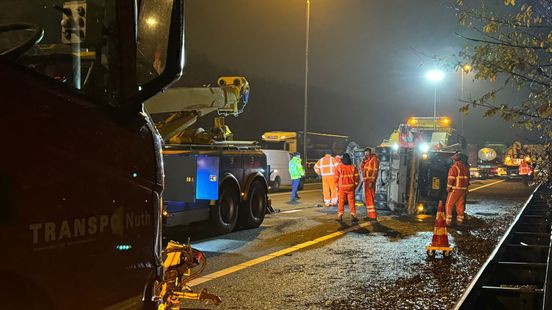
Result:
[517,274]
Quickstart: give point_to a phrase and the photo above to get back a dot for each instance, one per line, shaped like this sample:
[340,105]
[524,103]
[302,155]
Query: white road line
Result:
[291,211]
[300,192]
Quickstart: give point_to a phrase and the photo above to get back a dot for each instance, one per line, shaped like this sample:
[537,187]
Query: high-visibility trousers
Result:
[329,189]
[348,195]
[369,194]
[456,198]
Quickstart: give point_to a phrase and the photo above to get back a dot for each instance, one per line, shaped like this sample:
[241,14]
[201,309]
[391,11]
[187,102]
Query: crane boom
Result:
[180,108]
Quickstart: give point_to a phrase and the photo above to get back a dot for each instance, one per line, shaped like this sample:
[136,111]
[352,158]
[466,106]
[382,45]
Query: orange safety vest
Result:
[370,169]
[346,177]
[458,177]
[524,168]
[326,166]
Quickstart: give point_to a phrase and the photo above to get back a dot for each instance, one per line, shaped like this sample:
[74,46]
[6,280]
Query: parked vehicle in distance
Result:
[317,146]
[278,161]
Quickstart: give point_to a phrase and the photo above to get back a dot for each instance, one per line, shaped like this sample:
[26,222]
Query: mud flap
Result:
[270,209]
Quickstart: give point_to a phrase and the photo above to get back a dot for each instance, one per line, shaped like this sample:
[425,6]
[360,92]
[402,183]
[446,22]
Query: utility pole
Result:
[306,83]
[462,99]
[435,109]
[465,69]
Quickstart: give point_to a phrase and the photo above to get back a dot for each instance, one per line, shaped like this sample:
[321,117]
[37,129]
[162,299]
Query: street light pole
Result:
[306,83]
[435,108]
[461,99]
[435,76]
[465,69]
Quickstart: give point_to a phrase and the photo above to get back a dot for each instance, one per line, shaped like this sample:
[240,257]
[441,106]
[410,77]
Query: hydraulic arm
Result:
[179,108]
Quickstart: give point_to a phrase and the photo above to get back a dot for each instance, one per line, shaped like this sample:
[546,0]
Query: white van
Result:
[278,160]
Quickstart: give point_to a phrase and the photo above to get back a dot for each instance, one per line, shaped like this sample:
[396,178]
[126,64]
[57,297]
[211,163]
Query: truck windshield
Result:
[76,42]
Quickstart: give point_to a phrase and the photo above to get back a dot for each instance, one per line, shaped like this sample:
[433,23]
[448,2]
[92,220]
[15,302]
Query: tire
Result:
[252,211]
[224,215]
[276,185]
[301,184]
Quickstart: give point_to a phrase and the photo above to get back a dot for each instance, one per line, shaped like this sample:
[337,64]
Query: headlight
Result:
[424,147]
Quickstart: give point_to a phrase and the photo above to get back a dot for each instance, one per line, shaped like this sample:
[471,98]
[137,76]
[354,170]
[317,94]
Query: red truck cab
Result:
[81,171]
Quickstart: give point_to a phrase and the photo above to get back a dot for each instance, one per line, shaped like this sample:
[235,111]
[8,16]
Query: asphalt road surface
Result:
[301,258]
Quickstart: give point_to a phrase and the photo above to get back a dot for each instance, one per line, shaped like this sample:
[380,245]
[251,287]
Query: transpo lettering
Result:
[70,229]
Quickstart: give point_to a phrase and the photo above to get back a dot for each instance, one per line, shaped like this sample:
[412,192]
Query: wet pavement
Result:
[380,266]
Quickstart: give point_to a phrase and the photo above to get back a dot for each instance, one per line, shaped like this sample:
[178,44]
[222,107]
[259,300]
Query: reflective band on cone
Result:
[440,236]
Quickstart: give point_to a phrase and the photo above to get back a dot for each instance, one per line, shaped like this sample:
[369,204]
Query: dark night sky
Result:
[365,76]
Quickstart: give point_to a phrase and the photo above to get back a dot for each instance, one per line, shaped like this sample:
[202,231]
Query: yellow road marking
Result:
[273,255]
[267,257]
[486,185]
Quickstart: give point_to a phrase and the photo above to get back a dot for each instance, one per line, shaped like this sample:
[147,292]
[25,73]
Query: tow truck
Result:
[209,176]
[414,163]
[497,159]
[81,172]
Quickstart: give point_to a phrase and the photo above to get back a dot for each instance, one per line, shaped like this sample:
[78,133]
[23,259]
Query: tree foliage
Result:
[511,42]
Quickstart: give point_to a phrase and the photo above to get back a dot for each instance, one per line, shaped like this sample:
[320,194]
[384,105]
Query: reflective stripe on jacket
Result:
[296,168]
[326,166]
[346,177]
[458,177]
[370,168]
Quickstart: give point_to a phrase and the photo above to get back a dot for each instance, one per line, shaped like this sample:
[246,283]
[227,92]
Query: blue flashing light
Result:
[123,247]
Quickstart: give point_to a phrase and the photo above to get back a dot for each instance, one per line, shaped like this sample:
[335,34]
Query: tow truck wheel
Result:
[224,214]
[252,211]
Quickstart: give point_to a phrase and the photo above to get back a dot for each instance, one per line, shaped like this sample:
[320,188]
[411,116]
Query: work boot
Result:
[369,219]
[293,202]
[354,219]
[339,218]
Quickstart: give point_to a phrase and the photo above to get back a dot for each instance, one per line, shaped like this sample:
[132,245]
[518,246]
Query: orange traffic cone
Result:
[440,236]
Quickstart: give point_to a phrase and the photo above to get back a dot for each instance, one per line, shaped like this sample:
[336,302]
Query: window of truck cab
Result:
[78,44]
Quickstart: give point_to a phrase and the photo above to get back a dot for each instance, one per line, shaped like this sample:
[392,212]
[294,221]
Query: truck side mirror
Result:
[160,42]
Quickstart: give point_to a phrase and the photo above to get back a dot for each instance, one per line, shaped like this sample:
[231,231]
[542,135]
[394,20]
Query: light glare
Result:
[424,147]
[435,75]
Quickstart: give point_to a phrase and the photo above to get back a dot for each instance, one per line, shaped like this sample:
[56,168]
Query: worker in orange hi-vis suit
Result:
[370,168]
[346,179]
[457,187]
[325,167]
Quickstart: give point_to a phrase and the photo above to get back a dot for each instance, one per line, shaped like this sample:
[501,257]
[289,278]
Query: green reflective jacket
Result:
[296,169]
